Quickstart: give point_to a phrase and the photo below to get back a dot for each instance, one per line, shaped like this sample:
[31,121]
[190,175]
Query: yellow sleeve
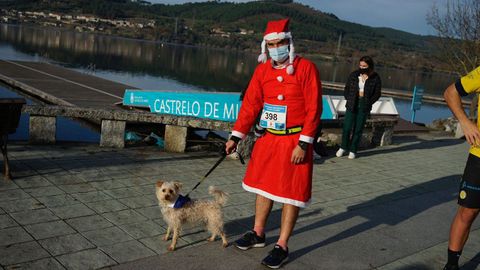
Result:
[470,83]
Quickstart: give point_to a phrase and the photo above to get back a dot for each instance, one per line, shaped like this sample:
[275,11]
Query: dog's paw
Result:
[171,248]
[165,238]
[211,239]
[225,244]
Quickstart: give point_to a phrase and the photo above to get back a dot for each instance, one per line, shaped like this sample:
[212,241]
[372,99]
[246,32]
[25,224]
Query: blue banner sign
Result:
[215,106]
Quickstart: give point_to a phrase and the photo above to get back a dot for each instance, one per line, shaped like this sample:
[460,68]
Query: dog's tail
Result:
[220,196]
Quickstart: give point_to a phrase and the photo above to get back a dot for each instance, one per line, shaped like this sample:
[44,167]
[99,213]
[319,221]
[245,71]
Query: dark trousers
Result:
[353,125]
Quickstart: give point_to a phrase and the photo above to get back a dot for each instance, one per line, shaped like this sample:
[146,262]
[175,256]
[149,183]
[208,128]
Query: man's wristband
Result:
[235,139]
[303,145]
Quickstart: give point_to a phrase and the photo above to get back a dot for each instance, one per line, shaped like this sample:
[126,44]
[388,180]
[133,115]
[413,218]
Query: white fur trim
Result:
[306,139]
[238,134]
[276,198]
[291,55]
[279,35]
[263,46]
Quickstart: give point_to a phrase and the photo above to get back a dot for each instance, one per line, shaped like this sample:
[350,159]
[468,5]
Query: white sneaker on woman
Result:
[340,152]
[351,155]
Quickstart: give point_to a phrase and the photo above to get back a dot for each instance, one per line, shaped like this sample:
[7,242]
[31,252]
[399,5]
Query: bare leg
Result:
[289,218]
[460,228]
[263,206]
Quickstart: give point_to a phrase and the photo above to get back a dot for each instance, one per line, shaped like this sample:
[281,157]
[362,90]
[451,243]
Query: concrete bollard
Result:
[42,129]
[113,134]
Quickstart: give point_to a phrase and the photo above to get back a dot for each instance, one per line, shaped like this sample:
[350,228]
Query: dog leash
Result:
[181,200]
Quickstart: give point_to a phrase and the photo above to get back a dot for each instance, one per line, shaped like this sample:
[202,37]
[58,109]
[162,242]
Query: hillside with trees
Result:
[240,26]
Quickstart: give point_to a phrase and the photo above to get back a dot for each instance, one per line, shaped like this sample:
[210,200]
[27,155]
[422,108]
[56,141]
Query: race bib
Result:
[274,117]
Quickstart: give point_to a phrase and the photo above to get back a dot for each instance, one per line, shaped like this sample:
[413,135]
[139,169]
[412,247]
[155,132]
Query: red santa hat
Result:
[278,30]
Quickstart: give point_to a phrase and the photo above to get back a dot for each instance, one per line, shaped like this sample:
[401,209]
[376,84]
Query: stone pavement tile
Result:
[140,201]
[86,259]
[13,235]
[34,216]
[58,200]
[107,236]
[71,211]
[397,265]
[89,223]
[150,212]
[42,264]
[107,206]
[195,234]
[77,188]
[124,217]
[157,244]
[161,222]
[66,244]
[95,175]
[30,182]
[64,179]
[7,185]
[49,229]
[146,189]
[6,221]
[107,184]
[143,229]
[122,192]
[133,181]
[22,252]
[21,205]
[44,191]
[13,194]
[128,251]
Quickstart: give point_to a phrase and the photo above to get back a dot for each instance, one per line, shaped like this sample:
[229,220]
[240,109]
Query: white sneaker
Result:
[340,152]
[351,155]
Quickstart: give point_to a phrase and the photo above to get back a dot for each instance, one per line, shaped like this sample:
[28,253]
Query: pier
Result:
[69,93]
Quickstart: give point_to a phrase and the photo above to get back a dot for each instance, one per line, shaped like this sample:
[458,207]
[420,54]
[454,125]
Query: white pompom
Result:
[262,58]
[290,69]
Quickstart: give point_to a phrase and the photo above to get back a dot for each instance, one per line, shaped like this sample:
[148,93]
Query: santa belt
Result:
[287,131]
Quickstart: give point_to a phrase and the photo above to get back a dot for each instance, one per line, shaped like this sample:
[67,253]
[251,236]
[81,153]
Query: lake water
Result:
[159,66]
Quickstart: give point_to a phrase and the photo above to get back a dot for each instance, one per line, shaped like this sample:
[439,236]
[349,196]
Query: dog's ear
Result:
[177,185]
[159,183]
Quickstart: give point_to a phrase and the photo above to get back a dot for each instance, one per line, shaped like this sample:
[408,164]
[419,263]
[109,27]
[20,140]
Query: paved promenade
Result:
[75,206]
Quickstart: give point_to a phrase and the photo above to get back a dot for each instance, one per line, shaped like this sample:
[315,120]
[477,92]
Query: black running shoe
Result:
[276,257]
[451,267]
[250,239]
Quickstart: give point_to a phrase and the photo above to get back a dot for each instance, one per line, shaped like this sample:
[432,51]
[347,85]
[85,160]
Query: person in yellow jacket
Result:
[469,194]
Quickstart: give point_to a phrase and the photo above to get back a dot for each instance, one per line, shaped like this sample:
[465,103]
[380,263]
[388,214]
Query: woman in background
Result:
[362,89]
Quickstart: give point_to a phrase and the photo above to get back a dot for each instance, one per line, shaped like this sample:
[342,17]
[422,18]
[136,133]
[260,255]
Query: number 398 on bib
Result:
[274,117]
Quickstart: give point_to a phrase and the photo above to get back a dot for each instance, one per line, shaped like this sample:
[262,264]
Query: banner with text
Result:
[215,106]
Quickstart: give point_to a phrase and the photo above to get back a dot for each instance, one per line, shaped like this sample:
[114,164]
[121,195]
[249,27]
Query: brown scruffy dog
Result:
[195,211]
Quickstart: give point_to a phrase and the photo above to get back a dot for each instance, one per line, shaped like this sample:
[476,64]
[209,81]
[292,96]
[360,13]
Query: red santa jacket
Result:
[300,92]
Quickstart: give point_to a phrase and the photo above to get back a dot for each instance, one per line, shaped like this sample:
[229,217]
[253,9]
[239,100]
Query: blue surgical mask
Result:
[278,54]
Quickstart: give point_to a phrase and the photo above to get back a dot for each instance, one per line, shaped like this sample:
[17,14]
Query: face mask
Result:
[278,54]
[364,70]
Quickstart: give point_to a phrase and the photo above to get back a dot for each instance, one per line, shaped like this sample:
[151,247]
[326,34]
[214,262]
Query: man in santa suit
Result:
[286,90]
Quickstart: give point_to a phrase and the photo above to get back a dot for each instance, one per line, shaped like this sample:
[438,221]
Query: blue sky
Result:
[406,15]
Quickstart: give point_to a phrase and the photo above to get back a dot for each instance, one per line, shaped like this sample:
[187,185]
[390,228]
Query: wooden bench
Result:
[10,111]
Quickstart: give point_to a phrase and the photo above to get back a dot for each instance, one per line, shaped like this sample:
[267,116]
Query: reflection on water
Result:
[200,68]
[158,66]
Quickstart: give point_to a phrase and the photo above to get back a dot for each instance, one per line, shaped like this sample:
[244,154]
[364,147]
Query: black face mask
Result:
[364,70]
